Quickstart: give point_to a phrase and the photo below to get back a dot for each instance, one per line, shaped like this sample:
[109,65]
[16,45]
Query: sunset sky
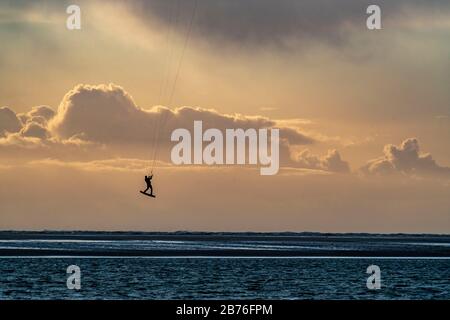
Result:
[364,115]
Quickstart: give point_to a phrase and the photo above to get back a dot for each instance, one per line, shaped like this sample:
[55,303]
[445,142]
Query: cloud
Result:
[25,129]
[103,121]
[108,114]
[17,141]
[332,161]
[405,159]
[28,137]
[103,113]
[8,121]
[41,111]
[34,129]
[280,23]
[252,22]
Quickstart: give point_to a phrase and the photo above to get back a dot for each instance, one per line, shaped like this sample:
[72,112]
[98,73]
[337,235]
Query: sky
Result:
[364,115]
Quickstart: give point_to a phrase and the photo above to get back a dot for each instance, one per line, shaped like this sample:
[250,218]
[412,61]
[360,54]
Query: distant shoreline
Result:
[203,235]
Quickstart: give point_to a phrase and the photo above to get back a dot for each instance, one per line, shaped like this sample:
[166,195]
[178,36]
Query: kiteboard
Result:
[150,195]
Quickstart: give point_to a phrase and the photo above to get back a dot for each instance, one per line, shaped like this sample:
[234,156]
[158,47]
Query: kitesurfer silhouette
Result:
[148,181]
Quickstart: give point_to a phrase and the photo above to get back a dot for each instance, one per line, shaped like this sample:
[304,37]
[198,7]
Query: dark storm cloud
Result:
[270,22]
[259,22]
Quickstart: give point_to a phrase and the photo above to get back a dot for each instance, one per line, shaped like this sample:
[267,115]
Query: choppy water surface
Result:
[212,277]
